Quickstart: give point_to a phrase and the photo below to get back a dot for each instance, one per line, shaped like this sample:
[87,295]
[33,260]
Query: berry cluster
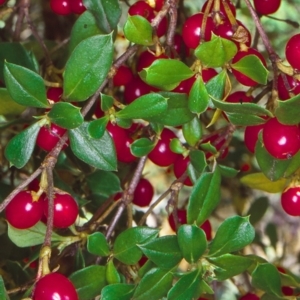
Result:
[66,7]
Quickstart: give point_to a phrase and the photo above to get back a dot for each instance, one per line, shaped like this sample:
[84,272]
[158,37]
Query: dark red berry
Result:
[239,97]
[34,185]
[99,113]
[217,141]
[180,47]
[143,193]
[222,9]
[61,7]
[135,89]
[23,211]
[287,291]
[249,296]
[54,94]
[140,8]
[159,4]
[2,2]
[206,227]
[146,59]
[290,201]
[77,7]
[181,215]
[54,286]
[251,136]
[294,86]
[266,7]
[180,166]
[143,260]
[281,141]
[292,51]
[123,76]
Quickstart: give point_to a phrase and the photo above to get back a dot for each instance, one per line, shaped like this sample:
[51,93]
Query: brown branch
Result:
[173,22]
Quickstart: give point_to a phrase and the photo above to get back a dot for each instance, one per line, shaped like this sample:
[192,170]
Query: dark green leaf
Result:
[19,149]
[89,281]
[99,153]
[97,127]
[164,251]
[228,172]
[3,294]
[107,13]
[154,285]
[232,235]
[138,30]
[192,242]
[118,291]
[192,131]
[258,209]
[112,275]
[88,67]
[125,247]
[141,147]
[267,296]
[271,232]
[293,165]
[241,119]
[288,111]
[176,146]
[25,86]
[216,86]
[252,67]
[106,102]
[197,164]
[216,52]
[97,244]
[7,105]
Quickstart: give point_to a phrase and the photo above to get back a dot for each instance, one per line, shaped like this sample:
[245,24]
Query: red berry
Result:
[239,97]
[140,8]
[61,7]
[162,155]
[2,2]
[192,28]
[34,185]
[99,113]
[143,260]
[251,136]
[217,141]
[65,210]
[266,7]
[206,227]
[143,193]
[245,167]
[180,47]
[281,141]
[23,212]
[290,201]
[123,76]
[283,93]
[77,7]
[292,51]
[249,296]
[146,59]
[287,291]
[222,9]
[54,94]
[159,4]
[241,78]
[180,166]
[135,89]
[48,137]
[54,286]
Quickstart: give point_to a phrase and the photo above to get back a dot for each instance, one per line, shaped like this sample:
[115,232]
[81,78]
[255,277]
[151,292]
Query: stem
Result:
[173,22]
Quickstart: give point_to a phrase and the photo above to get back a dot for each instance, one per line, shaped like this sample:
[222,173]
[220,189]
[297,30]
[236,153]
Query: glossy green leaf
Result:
[112,275]
[186,287]
[240,119]
[118,291]
[89,281]
[252,67]
[288,111]
[176,146]
[125,247]
[204,198]
[66,115]
[87,67]
[7,105]
[138,30]
[293,165]
[3,294]
[227,171]
[106,102]
[96,128]
[19,149]
[163,251]
[232,235]
[144,107]
[229,265]
[216,86]
[99,153]
[197,164]
[141,147]
[97,244]
[216,52]
[192,131]
[25,86]
[260,182]
[154,285]
[266,277]
[166,74]
[271,233]
[107,13]
[192,242]
[258,209]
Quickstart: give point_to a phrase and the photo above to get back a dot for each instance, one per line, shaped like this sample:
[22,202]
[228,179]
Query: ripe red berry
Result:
[23,212]
[266,7]
[192,28]
[251,136]
[143,193]
[180,47]
[65,210]
[290,201]
[54,286]
[99,113]
[2,2]
[292,51]
[162,155]
[140,8]
[239,97]
[159,4]
[283,92]
[287,291]
[217,141]
[281,141]
[61,7]
[135,89]
[48,137]
[146,59]
[77,7]
[123,76]
[180,166]
[54,94]
[249,296]
[222,9]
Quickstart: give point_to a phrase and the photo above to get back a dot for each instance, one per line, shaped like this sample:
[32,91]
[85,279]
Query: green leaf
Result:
[138,30]
[97,127]
[106,102]
[240,119]
[197,164]
[266,277]
[87,67]
[141,147]
[89,281]
[107,13]
[176,146]
[258,209]
[118,291]
[192,131]
[232,235]
[25,86]
[204,198]
[271,233]
[7,105]
[154,285]
[66,115]
[97,244]
[164,251]
[3,294]
[166,74]
[216,86]
[103,183]
[112,275]
[32,236]
[198,97]
[144,107]
[99,153]
[19,149]
[229,265]
[192,242]
[125,247]
[288,112]
[216,52]
[293,165]
[228,172]
[186,287]
[260,182]
[252,67]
